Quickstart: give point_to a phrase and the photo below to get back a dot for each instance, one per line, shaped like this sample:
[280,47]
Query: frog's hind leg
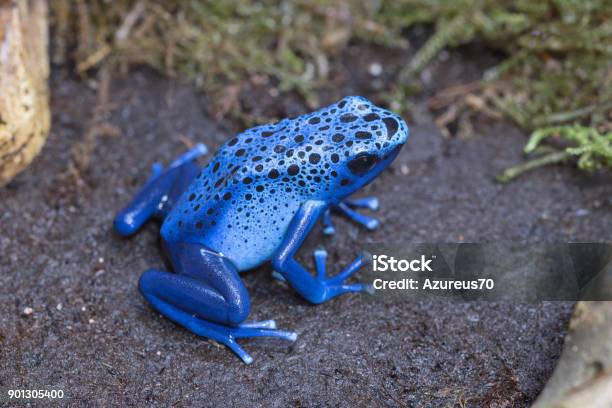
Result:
[158,195]
[207,297]
[348,208]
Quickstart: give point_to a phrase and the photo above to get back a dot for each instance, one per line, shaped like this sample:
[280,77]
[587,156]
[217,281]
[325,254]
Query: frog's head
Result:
[361,142]
[324,155]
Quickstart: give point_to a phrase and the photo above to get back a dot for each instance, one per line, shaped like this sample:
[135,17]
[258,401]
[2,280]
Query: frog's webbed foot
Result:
[228,335]
[319,288]
[348,208]
[335,285]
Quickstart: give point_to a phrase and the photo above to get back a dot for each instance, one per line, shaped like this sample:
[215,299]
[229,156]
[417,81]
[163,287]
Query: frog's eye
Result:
[362,163]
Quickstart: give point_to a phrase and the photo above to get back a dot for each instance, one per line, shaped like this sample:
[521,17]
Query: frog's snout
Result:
[397,135]
[397,129]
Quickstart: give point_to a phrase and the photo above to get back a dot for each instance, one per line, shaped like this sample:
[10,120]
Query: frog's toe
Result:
[246,331]
[196,151]
[348,272]
[348,208]
[264,324]
[368,222]
[228,335]
[239,351]
[370,203]
[320,256]
[329,230]
[337,290]
[328,224]
[278,276]
[156,170]
[336,285]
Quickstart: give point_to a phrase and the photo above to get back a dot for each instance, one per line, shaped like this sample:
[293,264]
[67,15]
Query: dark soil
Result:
[93,335]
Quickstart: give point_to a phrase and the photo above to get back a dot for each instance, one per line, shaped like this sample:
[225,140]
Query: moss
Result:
[557,71]
[214,43]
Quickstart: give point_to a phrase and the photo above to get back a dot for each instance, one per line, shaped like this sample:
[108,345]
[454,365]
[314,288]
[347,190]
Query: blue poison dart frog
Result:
[256,201]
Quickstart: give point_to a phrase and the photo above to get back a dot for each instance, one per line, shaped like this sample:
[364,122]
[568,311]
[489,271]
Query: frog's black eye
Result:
[362,163]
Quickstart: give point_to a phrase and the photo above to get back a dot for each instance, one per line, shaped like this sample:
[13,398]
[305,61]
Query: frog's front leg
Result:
[206,296]
[159,193]
[347,207]
[317,289]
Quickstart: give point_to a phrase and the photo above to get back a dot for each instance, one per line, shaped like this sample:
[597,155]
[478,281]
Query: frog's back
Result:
[243,200]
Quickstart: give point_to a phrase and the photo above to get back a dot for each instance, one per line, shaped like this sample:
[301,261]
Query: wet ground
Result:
[91,334]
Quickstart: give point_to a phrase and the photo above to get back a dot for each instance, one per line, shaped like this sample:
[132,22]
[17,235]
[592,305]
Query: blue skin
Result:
[256,201]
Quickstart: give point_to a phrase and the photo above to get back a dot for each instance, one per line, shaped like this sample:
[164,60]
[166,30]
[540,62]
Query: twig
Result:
[93,59]
[128,22]
[81,153]
[446,96]
[513,172]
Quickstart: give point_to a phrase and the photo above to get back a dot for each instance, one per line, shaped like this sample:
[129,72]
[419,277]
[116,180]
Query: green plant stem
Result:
[513,172]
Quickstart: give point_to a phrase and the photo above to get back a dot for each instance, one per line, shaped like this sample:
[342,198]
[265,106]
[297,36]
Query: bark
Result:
[583,377]
[24,93]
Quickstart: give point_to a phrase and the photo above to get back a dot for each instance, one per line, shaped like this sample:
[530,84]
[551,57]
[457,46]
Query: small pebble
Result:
[474,318]
[27,311]
[375,69]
